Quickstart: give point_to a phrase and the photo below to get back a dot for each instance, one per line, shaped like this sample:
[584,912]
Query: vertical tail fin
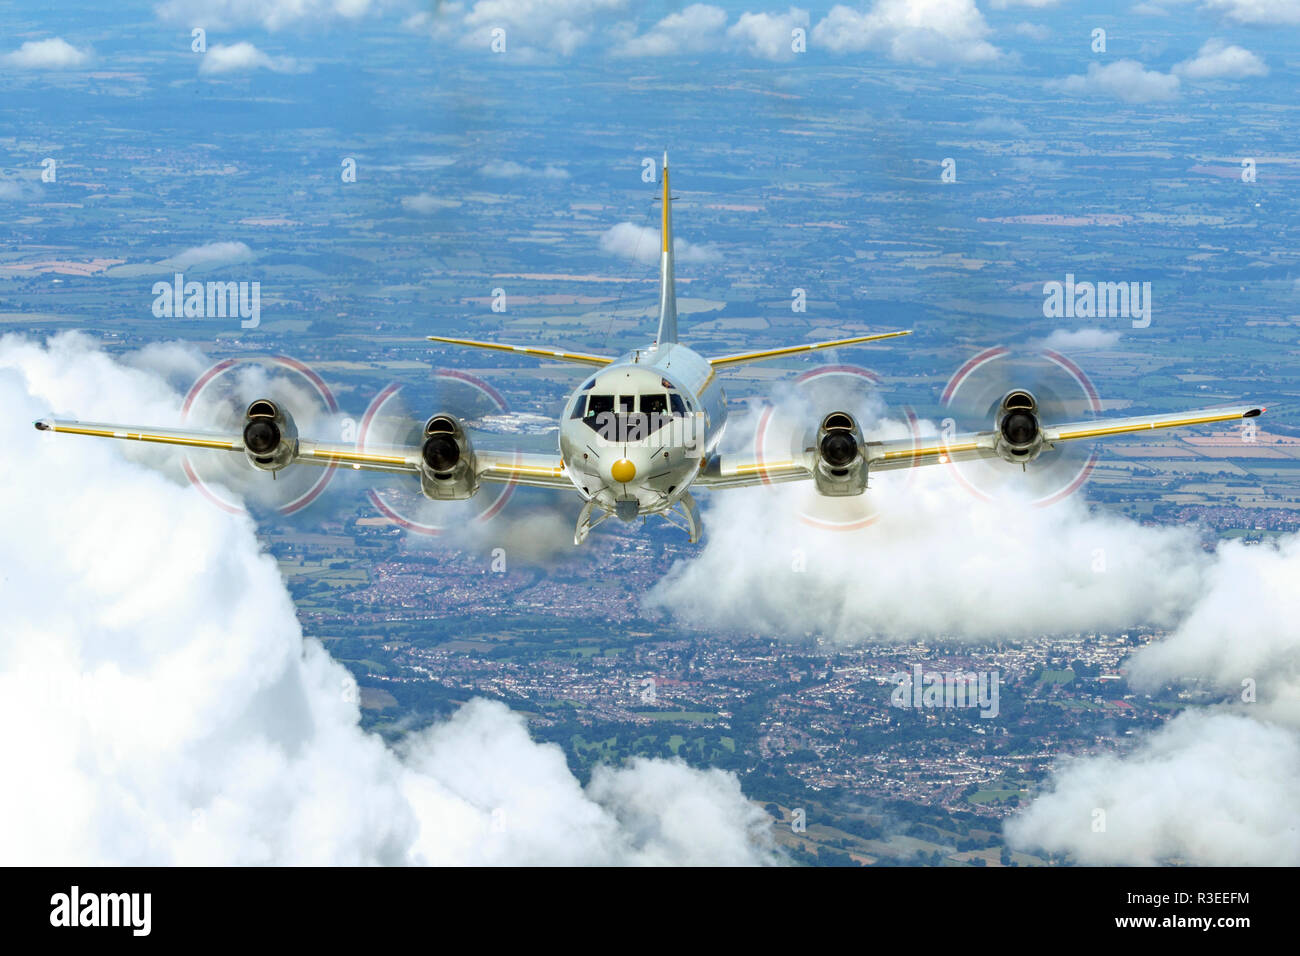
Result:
[667,290]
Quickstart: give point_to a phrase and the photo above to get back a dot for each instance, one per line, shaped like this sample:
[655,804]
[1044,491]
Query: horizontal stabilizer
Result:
[748,358]
[577,358]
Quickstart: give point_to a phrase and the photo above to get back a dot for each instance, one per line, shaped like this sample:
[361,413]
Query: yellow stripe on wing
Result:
[761,356]
[1101,431]
[360,458]
[540,471]
[761,467]
[927,451]
[188,441]
[581,358]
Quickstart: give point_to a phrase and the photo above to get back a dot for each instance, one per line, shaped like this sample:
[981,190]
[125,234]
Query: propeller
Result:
[789,425]
[1063,393]
[218,401]
[397,416]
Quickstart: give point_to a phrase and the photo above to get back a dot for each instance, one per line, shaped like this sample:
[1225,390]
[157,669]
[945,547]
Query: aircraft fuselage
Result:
[636,434]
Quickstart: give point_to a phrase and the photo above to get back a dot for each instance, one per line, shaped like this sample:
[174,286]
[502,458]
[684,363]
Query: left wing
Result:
[737,471]
[908,452]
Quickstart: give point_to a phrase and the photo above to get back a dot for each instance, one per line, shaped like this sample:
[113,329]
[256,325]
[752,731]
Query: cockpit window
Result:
[599,404]
[630,418]
[654,404]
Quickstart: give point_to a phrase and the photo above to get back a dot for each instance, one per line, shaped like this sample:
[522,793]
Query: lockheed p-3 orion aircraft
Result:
[640,434]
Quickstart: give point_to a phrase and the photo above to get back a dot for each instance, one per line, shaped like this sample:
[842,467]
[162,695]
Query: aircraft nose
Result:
[622,471]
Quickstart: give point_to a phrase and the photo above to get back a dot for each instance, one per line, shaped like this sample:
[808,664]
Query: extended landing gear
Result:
[685,515]
[585,522]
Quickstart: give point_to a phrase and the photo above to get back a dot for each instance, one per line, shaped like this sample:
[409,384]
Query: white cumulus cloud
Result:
[1257,12]
[508,169]
[767,36]
[1214,786]
[696,28]
[927,32]
[1218,60]
[1065,340]
[1124,80]
[244,57]
[172,712]
[270,15]
[627,240]
[53,54]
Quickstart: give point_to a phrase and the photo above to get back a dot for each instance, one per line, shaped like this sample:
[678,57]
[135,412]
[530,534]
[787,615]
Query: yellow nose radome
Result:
[623,471]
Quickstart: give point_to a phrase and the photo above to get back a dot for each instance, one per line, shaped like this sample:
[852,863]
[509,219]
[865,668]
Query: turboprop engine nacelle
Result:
[448,469]
[270,436]
[841,470]
[1020,438]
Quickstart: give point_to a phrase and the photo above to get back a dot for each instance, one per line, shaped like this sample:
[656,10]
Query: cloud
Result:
[1001,124]
[270,15]
[927,32]
[174,713]
[555,27]
[1214,786]
[244,57]
[1124,80]
[1033,31]
[1219,60]
[1257,12]
[1212,789]
[1065,340]
[499,169]
[1037,167]
[425,204]
[767,36]
[18,190]
[992,569]
[694,29]
[53,54]
[627,240]
[209,254]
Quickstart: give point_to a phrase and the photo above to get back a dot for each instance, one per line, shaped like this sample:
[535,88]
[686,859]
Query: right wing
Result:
[576,358]
[544,471]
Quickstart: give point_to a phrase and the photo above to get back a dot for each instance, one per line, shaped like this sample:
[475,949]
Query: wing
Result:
[748,358]
[908,452]
[1121,426]
[576,358]
[545,471]
[401,459]
[538,471]
[740,471]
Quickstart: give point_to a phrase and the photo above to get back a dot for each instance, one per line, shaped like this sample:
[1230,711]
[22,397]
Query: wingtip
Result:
[41,425]
[1255,412]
